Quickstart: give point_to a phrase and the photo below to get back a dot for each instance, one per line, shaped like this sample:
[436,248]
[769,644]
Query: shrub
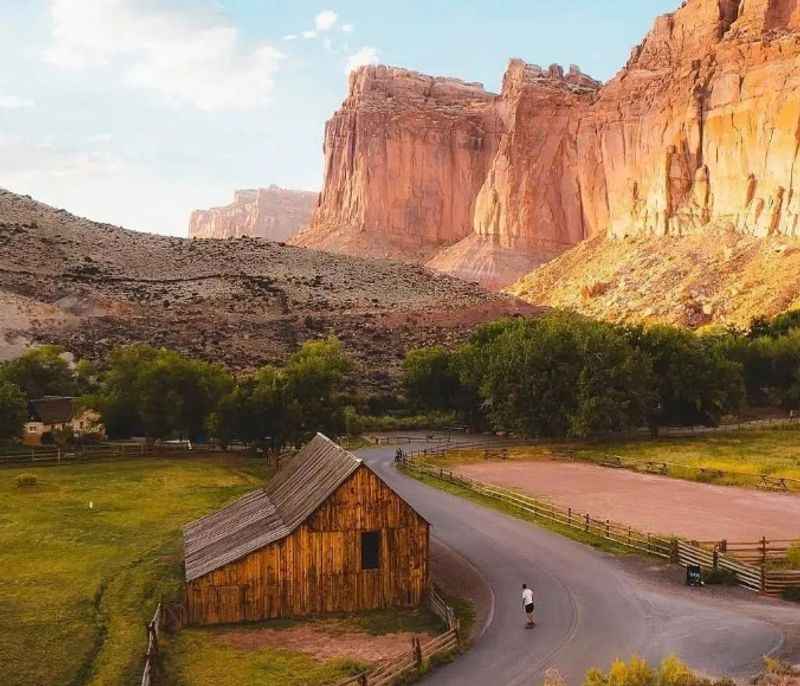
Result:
[637,672]
[791,594]
[721,577]
[26,480]
[793,556]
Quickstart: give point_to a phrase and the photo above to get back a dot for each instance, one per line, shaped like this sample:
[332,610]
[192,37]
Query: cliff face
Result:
[699,132]
[273,213]
[405,157]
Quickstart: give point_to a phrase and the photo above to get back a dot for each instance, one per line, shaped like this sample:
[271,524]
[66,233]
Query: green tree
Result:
[695,382]
[40,371]
[431,379]
[314,376]
[564,375]
[13,411]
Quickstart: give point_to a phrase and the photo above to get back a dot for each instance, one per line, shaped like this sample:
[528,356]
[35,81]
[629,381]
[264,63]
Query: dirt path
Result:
[652,503]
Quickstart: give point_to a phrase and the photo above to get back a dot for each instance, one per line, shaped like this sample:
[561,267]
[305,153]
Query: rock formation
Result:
[698,132]
[273,213]
[405,157]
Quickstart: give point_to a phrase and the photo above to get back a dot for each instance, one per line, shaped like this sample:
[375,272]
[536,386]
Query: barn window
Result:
[371,550]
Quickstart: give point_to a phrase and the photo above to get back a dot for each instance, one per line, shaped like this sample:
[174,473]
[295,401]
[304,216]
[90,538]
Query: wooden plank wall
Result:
[317,569]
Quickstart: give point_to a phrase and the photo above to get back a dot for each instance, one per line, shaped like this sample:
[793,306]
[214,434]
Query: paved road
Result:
[589,610]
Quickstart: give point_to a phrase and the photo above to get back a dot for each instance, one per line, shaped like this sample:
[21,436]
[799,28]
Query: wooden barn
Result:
[326,534]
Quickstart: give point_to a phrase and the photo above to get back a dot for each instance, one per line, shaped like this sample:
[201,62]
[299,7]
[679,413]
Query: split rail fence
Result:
[738,558]
[150,674]
[97,453]
[419,654]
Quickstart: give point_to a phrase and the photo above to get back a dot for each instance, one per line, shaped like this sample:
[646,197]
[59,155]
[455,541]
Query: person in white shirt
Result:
[527,603]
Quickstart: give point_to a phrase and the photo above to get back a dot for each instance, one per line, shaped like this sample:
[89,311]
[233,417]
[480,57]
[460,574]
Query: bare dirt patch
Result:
[325,640]
[652,503]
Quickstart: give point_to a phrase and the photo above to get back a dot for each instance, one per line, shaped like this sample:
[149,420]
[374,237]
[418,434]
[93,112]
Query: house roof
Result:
[52,410]
[271,513]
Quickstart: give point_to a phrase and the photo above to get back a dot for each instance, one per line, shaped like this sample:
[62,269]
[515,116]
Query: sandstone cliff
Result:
[273,213]
[699,132]
[405,157]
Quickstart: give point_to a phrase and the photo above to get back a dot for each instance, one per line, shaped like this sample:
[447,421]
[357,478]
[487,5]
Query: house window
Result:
[371,550]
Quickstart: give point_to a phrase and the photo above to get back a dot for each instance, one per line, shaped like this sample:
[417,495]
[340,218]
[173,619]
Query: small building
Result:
[56,413]
[326,534]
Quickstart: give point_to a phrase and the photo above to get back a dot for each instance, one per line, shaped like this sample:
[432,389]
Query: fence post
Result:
[723,545]
[362,680]
[608,528]
[587,523]
[715,562]
[763,578]
[675,555]
[763,550]
[569,516]
[417,650]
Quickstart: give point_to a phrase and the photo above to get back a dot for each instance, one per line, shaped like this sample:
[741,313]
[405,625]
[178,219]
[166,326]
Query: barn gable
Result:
[271,513]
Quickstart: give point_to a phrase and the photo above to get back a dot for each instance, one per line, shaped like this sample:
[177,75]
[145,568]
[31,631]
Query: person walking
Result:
[527,603]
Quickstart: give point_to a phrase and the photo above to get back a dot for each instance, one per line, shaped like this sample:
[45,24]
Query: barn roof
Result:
[271,513]
[52,409]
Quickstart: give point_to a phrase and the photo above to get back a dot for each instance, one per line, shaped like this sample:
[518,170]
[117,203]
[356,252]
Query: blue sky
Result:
[135,112]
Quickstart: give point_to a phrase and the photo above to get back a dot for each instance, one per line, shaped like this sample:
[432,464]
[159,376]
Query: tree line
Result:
[160,394]
[564,375]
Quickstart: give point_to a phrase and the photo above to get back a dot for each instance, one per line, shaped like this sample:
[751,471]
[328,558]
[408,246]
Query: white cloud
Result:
[193,58]
[325,20]
[366,55]
[14,102]
[290,36]
[347,28]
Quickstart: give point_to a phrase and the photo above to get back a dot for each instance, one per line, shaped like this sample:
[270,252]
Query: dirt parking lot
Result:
[651,503]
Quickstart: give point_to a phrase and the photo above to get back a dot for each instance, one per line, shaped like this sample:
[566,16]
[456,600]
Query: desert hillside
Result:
[243,302]
[721,277]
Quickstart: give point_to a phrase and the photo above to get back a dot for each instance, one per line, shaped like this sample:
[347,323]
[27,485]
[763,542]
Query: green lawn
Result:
[774,452]
[80,583]
[204,656]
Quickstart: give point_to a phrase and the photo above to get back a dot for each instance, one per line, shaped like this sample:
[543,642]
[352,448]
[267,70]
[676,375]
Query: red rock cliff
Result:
[273,213]
[699,131]
[405,157]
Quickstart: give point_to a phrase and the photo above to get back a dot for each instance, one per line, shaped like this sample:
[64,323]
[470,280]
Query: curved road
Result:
[589,610]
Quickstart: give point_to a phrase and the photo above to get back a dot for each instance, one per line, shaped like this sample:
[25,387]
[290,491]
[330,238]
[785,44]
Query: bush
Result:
[791,594]
[637,672]
[720,577]
[793,556]
[26,480]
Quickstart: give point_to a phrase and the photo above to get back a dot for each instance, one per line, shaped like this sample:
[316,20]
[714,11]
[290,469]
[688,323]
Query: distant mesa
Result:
[271,213]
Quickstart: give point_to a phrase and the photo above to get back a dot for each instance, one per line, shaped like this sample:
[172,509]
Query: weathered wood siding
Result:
[317,569]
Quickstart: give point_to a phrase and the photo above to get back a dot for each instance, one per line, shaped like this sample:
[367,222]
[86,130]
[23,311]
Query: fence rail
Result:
[109,451]
[710,555]
[420,653]
[150,673]
[621,534]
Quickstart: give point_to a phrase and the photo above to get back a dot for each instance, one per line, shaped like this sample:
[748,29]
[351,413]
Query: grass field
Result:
[207,656]
[80,583]
[774,452]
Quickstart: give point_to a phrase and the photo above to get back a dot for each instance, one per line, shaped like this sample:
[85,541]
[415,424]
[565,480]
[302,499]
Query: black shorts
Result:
[529,608]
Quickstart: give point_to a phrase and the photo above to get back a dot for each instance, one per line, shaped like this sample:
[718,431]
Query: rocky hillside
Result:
[709,277]
[272,213]
[698,133]
[242,302]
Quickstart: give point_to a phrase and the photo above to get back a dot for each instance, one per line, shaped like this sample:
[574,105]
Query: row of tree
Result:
[565,375]
[159,394]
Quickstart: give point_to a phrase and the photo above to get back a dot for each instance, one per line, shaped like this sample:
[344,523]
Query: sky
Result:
[135,112]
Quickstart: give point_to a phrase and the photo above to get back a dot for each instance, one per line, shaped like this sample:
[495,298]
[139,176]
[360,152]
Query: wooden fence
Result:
[101,452]
[757,578]
[621,534]
[150,673]
[419,654]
